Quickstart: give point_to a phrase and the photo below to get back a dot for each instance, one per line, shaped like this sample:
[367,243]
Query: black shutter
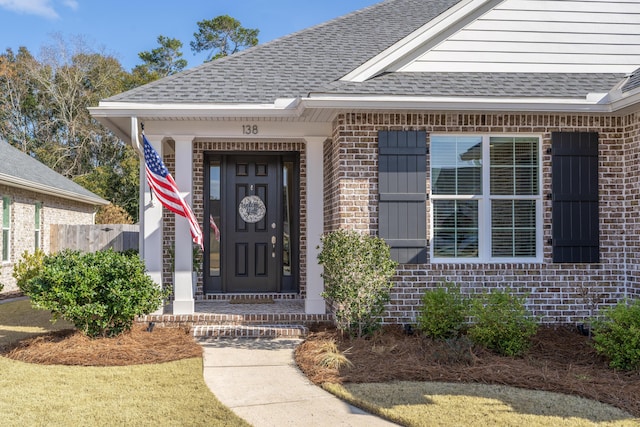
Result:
[402,185]
[575,217]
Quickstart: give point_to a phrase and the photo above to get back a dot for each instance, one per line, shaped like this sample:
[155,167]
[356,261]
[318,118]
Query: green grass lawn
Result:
[169,394]
[19,321]
[429,404]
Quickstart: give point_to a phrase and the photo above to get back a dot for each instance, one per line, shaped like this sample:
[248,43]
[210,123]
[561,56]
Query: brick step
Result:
[249,331]
[253,319]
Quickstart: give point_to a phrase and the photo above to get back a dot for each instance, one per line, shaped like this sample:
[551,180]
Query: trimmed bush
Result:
[502,323]
[443,311]
[357,277]
[29,266]
[617,335]
[101,293]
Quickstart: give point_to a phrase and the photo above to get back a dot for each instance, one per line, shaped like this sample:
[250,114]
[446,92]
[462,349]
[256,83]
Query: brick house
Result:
[491,143]
[33,198]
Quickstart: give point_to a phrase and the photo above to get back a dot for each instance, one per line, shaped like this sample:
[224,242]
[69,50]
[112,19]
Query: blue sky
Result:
[124,28]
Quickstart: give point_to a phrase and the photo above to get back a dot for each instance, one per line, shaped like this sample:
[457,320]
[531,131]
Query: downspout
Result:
[625,198]
[615,95]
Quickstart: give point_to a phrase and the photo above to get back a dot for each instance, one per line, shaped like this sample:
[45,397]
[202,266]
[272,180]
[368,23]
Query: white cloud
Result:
[43,8]
[33,7]
[71,4]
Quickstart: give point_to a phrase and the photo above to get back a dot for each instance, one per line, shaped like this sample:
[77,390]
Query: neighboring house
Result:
[33,198]
[491,143]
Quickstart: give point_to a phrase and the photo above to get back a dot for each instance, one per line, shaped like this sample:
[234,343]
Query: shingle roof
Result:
[14,164]
[548,85]
[313,61]
[294,65]
[633,82]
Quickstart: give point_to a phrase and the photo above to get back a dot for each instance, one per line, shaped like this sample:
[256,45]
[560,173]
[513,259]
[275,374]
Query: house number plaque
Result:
[252,209]
[250,129]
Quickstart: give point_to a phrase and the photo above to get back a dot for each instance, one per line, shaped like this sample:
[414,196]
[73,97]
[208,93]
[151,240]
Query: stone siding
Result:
[557,293]
[55,210]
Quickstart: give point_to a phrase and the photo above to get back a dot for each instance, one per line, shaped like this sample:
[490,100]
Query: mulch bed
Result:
[560,360]
[135,347]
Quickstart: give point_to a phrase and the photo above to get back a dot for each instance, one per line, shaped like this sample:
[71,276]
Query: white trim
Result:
[314,303]
[427,35]
[9,229]
[151,224]
[183,302]
[283,107]
[409,103]
[484,207]
[160,116]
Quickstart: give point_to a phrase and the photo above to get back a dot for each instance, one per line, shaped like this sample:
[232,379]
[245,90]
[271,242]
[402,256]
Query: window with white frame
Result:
[485,198]
[37,224]
[6,227]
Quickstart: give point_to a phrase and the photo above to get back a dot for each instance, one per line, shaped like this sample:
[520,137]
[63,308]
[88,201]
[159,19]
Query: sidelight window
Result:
[214,218]
[287,199]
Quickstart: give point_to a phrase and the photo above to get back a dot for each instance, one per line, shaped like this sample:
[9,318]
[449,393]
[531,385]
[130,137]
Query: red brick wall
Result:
[555,291]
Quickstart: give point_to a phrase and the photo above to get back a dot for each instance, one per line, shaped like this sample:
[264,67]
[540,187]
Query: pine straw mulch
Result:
[560,360]
[135,347]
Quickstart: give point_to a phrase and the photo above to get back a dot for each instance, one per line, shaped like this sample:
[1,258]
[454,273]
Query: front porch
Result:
[265,254]
[234,317]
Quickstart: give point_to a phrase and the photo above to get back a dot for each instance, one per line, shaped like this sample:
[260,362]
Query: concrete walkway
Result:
[258,379]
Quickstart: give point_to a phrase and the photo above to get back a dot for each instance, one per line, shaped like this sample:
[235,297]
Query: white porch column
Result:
[183,302]
[314,303]
[151,223]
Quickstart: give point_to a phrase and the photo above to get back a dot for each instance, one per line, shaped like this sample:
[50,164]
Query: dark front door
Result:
[251,241]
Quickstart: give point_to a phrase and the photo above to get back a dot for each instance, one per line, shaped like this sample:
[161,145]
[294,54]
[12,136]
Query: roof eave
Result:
[515,104]
[117,115]
[13,181]
[280,108]
[627,102]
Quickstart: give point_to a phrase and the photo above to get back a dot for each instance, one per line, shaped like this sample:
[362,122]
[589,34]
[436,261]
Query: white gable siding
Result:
[542,36]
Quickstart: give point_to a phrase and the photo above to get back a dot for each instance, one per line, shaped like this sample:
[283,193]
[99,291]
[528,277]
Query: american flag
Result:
[214,227]
[166,190]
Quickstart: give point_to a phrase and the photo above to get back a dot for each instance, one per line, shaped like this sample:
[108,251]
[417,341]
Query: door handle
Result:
[273,246]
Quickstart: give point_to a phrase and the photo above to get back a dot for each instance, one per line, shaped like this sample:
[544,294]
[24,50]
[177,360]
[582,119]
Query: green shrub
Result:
[29,266]
[443,311]
[617,335]
[100,293]
[357,277]
[130,252]
[502,323]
